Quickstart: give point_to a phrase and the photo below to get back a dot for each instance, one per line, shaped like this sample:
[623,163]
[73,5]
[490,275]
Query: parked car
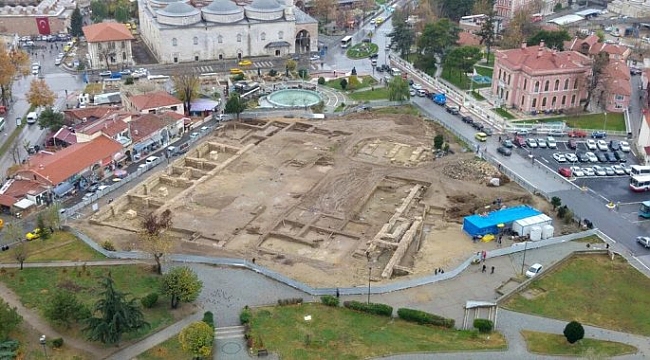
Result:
[572,144]
[592,157]
[571,157]
[601,157]
[602,145]
[504,151]
[541,143]
[478,126]
[507,143]
[480,137]
[599,170]
[454,110]
[610,157]
[644,241]
[550,141]
[577,134]
[519,141]
[531,143]
[34,234]
[625,146]
[598,134]
[534,270]
[467,119]
[559,157]
[618,169]
[487,131]
[577,171]
[105,73]
[626,168]
[591,144]
[582,157]
[615,145]
[565,171]
[609,171]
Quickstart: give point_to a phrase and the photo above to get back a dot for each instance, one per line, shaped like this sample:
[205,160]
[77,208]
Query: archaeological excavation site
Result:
[320,201]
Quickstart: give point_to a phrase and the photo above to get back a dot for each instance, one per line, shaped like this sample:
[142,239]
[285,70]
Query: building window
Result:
[564,99]
[507,93]
[573,100]
[575,84]
[99,46]
[534,103]
[619,97]
[220,39]
[557,85]
[508,80]
[123,56]
[566,84]
[546,85]
[499,74]
[122,44]
[238,37]
[280,34]
[196,58]
[525,83]
[522,101]
[174,42]
[263,36]
[553,101]
[195,40]
[536,86]
[277,53]
[544,101]
[220,56]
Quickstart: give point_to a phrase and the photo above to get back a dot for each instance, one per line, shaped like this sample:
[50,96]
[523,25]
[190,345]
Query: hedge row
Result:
[371,308]
[483,325]
[289,301]
[424,318]
[330,300]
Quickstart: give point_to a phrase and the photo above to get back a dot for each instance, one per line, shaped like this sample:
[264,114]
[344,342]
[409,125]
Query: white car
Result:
[559,157]
[571,157]
[552,144]
[417,86]
[625,146]
[599,170]
[57,61]
[314,57]
[592,157]
[591,144]
[626,168]
[541,143]
[618,170]
[531,143]
[412,93]
[602,145]
[534,270]
[588,171]
[577,171]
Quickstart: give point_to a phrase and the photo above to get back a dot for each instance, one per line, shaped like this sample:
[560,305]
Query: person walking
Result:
[492,270]
[484,268]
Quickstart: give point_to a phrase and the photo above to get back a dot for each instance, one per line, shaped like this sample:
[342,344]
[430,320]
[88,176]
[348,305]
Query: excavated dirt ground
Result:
[307,197]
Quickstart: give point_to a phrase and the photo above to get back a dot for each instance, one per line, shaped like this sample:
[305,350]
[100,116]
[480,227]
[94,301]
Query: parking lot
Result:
[613,186]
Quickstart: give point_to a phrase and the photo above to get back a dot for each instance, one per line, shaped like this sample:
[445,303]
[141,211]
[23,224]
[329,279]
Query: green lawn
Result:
[591,289]
[477,96]
[615,121]
[60,246]
[407,109]
[503,112]
[377,94]
[460,80]
[366,81]
[170,349]
[485,71]
[339,333]
[556,344]
[34,284]
[362,50]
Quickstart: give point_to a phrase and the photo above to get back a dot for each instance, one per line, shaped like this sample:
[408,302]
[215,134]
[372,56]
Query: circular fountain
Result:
[289,98]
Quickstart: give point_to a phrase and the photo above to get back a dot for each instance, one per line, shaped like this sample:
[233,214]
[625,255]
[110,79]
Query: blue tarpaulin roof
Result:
[487,224]
[203,104]
[62,189]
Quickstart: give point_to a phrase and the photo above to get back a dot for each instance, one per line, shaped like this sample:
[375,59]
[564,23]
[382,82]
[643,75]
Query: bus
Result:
[639,170]
[346,41]
[2,123]
[644,210]
[639,183]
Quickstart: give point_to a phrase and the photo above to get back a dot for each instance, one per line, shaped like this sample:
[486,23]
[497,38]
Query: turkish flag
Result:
[43,24]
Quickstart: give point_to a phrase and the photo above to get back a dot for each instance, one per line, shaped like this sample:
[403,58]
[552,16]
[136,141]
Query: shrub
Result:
[574,332]
[245,316]
[273,72]
[321,81]
[483,325]
[108,245]
[330,300]
[149,301]
[208,318]
[561,211]
[289,301]
[57,343]
[371,308]
[238,77]
[424,318]
[128,80]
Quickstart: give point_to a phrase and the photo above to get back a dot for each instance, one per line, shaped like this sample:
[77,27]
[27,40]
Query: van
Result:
[31,118]
[481,136]
[151,159]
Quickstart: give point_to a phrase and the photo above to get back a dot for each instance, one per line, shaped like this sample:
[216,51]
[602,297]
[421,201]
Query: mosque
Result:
[183,31]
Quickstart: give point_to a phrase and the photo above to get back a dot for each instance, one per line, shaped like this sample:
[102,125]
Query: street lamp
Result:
[43,341]
[369,275]
[523,261]
[605,123]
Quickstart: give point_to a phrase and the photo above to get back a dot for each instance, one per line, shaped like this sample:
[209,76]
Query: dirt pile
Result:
[470,170]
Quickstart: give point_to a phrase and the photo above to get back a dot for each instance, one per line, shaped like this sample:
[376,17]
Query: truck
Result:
[440,99]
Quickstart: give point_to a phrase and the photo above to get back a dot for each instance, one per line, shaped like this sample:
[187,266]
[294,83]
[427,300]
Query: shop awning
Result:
[62,189]
[139,146]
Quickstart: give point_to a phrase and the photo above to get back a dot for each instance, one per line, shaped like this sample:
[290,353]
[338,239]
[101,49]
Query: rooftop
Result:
[107,32]
[145,125]
[540,59]
[154,100]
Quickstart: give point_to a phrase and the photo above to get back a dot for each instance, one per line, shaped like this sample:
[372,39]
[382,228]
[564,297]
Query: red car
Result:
[564,171]
[520,141]
[577,134]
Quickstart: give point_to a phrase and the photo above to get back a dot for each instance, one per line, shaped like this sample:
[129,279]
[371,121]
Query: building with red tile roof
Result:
[468,39]
[83,115]
[151,131]
[53,168]
[591,47]
[115,126]
[109,44]
[153,102]
[617,90]
[535,78]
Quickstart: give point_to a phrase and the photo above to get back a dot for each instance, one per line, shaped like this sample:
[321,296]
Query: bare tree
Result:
[14,234]
[188,86]
[106,53]
[598,81]
[15,152]
[519,29]
[154,238]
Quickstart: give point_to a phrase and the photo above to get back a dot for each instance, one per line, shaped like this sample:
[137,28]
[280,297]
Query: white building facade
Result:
[177,32]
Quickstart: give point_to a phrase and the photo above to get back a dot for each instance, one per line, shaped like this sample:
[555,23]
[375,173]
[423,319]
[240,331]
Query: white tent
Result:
[567,19]
[24,204]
